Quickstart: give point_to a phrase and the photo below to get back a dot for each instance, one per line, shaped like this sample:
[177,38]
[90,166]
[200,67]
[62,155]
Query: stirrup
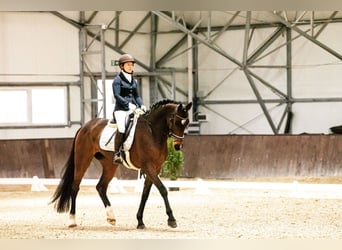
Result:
[117,158]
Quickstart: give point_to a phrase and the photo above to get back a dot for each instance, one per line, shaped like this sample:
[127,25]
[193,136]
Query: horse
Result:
[166,118]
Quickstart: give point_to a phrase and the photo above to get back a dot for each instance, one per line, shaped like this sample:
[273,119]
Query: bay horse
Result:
[148,152]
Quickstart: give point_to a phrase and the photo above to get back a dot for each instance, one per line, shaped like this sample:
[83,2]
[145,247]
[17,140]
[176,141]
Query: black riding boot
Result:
[119,137]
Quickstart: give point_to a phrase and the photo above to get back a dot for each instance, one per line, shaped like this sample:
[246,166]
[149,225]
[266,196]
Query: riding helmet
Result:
[126,58]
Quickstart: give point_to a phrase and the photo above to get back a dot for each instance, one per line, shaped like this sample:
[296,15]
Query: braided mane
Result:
[160,104]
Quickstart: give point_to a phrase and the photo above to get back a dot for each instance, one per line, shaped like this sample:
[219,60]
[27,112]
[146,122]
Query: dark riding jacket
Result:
[125,92]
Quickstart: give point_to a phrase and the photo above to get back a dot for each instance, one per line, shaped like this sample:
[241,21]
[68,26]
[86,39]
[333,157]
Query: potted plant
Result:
[173,165]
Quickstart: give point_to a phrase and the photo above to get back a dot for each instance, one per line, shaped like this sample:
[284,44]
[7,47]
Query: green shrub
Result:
[173,165]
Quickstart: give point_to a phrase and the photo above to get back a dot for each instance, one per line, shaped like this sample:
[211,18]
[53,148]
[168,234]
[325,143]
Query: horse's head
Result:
[178,121]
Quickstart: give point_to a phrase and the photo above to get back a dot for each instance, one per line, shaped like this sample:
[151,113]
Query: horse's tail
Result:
[62,195]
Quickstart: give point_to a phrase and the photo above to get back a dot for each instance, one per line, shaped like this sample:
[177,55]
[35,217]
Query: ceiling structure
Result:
[205,27]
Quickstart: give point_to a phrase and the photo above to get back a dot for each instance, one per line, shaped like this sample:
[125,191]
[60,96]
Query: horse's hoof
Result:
[142,226]
[172,223]
[111,221]
[72,225]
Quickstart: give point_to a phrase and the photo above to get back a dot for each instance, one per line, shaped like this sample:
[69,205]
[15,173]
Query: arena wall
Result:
[44,158]
[249,156]
[206,156]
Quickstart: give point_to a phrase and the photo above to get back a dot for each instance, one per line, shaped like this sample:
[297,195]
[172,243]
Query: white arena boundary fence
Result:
[202,187]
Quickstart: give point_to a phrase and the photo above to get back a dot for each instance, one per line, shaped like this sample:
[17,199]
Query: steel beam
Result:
[227,119]
[261,102]
[153,39]
[325,24]
[246,40]
[225,27]
[91,17]
[265,45]
[253,101]
[214,48]
[82,44]
[289,75]
[246,63]
[163,59]
[310,38]
[140,24]
[197,37]
[247,72]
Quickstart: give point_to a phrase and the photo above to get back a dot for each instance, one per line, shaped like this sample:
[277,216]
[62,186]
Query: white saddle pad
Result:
[107,137]
[107,140]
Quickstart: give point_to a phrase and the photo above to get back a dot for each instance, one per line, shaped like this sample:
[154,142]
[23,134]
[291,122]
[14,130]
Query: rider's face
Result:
[128,67]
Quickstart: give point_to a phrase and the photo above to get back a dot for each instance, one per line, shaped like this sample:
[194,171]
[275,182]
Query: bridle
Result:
[172,122]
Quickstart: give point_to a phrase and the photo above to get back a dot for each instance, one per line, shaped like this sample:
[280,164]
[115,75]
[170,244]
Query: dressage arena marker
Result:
[37,185]
[296,191]
[293,189]
[201,187]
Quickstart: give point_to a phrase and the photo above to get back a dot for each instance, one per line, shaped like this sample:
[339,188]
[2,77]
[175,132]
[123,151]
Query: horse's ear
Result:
[188,106]
[179,107]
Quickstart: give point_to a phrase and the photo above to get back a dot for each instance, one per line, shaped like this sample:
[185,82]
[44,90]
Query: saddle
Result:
[129,124]
[108,134]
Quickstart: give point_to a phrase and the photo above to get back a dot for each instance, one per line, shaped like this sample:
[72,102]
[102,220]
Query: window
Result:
[34,106]
[105,98]
[13,105]
[48,106]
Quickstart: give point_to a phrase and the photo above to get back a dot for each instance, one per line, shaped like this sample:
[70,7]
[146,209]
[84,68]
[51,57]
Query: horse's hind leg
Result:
[81,165]
[107,174]
[72,213]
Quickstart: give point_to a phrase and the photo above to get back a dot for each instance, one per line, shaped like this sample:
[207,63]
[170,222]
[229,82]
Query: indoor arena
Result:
[171,124]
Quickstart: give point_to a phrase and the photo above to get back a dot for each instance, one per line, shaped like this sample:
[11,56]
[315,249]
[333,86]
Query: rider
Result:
[126,94]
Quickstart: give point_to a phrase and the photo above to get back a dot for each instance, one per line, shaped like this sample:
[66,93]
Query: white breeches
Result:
[121,119]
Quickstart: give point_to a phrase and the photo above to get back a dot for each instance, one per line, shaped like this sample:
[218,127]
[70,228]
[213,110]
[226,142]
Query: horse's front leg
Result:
[144,197]
[163,191]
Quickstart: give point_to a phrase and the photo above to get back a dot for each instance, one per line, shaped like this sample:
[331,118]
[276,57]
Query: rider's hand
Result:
[131,106]
[143,108]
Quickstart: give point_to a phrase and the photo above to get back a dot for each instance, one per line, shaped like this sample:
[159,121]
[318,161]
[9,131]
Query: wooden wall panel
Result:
[244,156]
[20,158]
[44,158]
[206,156]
